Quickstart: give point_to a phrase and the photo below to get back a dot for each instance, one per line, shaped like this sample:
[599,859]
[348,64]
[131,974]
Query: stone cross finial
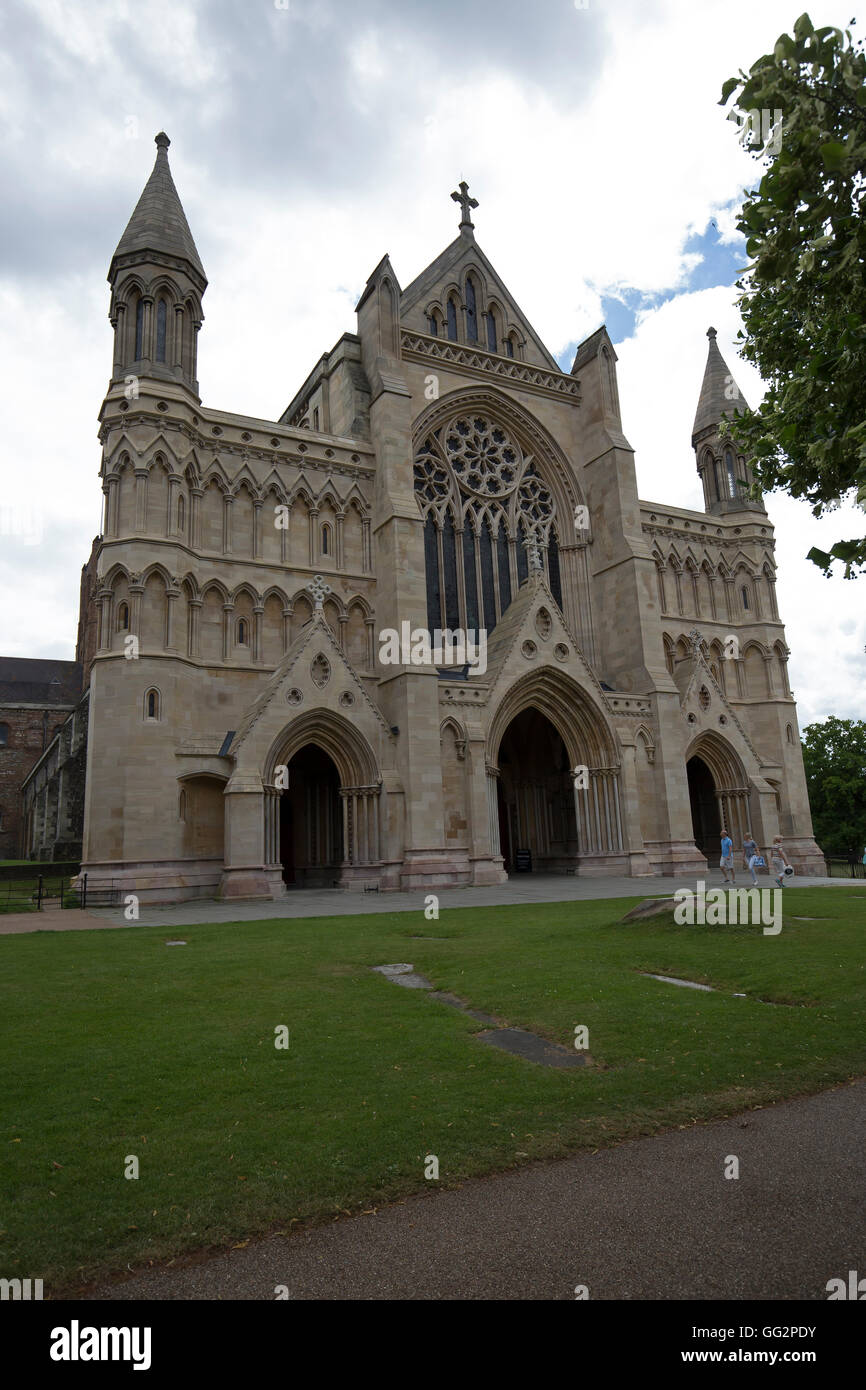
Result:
[319,589]
[696,639]
[465,204]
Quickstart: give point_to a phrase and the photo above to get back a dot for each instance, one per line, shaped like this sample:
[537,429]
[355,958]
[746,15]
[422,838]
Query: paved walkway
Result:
[334,902]
[651,1219]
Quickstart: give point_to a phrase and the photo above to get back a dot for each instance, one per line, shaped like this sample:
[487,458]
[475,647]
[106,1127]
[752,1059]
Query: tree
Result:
[834,755]
[803,298]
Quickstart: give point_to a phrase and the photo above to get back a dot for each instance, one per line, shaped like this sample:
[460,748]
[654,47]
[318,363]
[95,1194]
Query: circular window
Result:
[529,649]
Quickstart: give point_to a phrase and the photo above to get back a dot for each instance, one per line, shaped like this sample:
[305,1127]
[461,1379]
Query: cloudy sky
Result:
[309,137]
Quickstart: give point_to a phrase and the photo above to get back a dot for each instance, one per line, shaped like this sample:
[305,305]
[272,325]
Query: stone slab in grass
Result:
[687,984]
[532,1048]
[455,1003]
[651,907]
[514,1040]
[403,974]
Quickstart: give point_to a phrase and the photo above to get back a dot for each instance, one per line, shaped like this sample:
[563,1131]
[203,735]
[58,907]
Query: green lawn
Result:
[115,1044]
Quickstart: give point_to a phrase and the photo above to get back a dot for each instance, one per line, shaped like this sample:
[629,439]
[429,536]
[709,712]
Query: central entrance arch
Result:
[535,798]
[311,821]
[564,733]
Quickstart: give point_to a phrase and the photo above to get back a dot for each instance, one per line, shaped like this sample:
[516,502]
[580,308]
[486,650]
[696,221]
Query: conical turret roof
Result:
[720,394]
[159,223]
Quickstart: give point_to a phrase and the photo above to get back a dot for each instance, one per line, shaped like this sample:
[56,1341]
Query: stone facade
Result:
[52,793]
[36,697]
[437,468]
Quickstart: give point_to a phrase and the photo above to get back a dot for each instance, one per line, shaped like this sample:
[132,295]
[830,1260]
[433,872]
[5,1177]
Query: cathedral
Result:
[250,727]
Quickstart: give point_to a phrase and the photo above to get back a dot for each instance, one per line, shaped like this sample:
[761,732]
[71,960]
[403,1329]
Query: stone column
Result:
[228,503]
[257,528]
[493,809]
[135,592]
[174,486]
[344,798]
[141,476]
[171,597]
[258,611]
[228,611]
[195,496]
[177,345]
[194,626]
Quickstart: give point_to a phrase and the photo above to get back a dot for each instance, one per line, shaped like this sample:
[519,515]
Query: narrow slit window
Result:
[161,317]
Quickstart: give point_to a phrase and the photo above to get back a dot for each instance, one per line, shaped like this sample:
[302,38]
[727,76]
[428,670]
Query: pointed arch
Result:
[581,724]
[343,741]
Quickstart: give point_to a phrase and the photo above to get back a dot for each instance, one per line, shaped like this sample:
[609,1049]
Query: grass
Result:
[19,893]
[116,1044]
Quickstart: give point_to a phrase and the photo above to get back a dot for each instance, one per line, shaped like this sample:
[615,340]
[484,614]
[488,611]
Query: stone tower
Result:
[157,283]
[723,469]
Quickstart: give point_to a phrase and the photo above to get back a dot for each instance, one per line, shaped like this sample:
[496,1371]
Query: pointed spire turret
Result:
[722,466]
[157,281]
[159,224]
[720,394]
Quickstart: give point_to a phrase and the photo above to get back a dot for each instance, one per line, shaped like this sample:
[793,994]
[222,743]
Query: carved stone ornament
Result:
[320,671]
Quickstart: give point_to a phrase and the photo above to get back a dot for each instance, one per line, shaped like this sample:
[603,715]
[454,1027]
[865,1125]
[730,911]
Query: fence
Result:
[25,889]
[845,866]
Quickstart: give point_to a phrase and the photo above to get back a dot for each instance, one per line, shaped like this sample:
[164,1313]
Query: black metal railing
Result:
[845,866]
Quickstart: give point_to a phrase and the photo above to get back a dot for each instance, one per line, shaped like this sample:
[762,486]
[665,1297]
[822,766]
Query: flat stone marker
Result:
[453,1002]
[403,974]
[651,907]
[514,1040]
[669,980]
[533,1048]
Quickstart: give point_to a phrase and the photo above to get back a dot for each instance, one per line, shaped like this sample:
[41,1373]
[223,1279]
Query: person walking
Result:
[750,855]
[779,860]
[726,863]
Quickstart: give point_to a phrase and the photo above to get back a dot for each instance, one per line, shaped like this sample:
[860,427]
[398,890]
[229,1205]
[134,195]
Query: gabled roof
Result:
[421,288]
[720,394]
[159,222]
[39,681]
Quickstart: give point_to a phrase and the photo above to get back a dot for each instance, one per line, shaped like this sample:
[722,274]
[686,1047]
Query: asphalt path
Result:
[650,1219]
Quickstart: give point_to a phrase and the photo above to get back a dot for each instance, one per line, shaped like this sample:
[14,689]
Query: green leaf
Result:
[727,88]
[833,153]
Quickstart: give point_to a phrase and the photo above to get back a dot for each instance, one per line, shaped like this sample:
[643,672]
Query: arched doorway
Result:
[311,821]
[535,797]
[706,820]
[323,828]
[719,793]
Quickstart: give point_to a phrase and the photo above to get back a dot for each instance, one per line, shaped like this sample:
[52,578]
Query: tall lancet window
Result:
[730,474]
[161,313]
[471,313]
[491,331]
[452,320]
[139,329]
[481,498]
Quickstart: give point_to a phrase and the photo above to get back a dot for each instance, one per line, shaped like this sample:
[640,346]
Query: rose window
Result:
[482,456]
